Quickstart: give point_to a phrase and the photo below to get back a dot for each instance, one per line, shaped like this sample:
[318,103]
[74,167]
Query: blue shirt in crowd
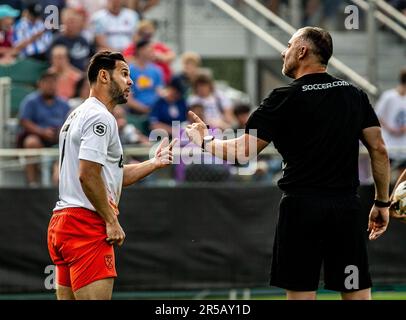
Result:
[35,109]
[167,112]
[146,82]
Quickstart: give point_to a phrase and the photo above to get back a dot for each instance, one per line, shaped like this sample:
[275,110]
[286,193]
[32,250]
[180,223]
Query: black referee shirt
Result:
[316,123]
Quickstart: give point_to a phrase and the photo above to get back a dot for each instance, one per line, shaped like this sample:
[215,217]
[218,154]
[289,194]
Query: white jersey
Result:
[119,30]
[90,133]
[391,109]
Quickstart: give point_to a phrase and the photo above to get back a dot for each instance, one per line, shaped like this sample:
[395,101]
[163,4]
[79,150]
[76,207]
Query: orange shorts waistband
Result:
[77,210]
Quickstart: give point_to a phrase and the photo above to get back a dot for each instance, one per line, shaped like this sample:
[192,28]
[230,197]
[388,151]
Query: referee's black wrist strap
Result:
[382,204]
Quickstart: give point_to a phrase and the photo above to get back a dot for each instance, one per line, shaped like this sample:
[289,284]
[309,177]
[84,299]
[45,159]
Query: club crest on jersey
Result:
[100,129]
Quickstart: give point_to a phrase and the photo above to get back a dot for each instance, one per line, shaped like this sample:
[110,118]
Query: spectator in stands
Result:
[399,5]
[114,27]
[241,113]
[142,6]
[218,109]
[163,56]
[80,50]
[15,4]
[42,114]
[30,35]
[129,134]
[391,110]
[82,91]
[147,78]
[7,16]
[68,75]
[273,5]
[170,107]
[89,6]
[312,12]
[191,62]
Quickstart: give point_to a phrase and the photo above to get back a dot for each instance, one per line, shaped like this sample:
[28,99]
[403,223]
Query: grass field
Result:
[396,293]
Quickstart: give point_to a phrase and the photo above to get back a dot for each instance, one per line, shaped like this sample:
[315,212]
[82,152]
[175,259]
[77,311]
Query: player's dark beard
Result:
[116,94]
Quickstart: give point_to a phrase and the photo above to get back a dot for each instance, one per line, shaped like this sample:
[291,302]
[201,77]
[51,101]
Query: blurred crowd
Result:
[323,12]
[160,95]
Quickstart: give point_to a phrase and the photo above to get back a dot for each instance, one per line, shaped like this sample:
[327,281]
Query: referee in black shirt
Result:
[316,124]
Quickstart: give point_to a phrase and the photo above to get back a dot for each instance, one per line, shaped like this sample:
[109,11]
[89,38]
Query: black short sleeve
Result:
[370,119]
[267,118]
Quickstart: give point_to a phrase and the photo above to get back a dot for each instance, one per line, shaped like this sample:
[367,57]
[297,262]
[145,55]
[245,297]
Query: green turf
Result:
[393,294]
[334,296]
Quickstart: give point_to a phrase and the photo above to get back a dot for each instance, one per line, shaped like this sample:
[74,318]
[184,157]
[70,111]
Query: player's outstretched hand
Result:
[378,222]
[197,130]
[115,234]
[164,154]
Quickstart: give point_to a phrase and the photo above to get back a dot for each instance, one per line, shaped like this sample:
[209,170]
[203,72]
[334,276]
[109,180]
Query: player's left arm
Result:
[163,157]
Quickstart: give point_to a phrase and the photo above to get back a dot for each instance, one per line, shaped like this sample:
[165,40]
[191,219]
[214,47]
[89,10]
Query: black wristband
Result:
[381,204]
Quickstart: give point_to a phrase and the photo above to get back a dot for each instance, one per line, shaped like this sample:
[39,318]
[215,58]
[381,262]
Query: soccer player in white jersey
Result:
[84,225]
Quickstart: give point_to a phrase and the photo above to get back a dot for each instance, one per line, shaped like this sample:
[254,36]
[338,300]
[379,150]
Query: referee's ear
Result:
[303,52]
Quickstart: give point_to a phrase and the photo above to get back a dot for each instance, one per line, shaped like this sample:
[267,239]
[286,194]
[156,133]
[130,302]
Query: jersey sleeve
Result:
[370,119]
[267,119]
[95,138]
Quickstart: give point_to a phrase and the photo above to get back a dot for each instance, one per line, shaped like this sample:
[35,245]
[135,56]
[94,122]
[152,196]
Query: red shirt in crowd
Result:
[158,47]
[6,38]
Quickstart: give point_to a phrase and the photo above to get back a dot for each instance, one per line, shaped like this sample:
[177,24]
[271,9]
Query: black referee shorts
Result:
[321,230]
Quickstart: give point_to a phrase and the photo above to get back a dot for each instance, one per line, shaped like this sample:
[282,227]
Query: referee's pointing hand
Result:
[197,130]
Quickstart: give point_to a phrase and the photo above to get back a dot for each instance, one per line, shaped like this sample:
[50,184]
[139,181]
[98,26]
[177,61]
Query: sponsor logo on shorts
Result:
[108,260]
[100,129]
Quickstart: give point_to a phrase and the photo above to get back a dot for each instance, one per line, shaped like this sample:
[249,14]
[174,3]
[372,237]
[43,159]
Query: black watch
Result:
[381,204]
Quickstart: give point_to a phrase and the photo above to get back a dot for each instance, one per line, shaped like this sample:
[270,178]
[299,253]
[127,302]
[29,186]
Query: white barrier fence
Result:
[14,160]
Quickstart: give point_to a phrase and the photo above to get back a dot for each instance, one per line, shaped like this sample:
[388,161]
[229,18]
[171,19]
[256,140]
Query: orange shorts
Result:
[77,246]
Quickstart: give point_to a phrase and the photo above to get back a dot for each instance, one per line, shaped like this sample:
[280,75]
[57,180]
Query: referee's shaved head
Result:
[320,41]
[309,49]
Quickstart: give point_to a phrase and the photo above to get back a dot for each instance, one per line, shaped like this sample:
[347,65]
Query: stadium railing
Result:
[276,44]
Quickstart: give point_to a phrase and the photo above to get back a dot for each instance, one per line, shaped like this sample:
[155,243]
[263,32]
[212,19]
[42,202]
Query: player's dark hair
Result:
[103,60]
[322,43]
[402,76]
